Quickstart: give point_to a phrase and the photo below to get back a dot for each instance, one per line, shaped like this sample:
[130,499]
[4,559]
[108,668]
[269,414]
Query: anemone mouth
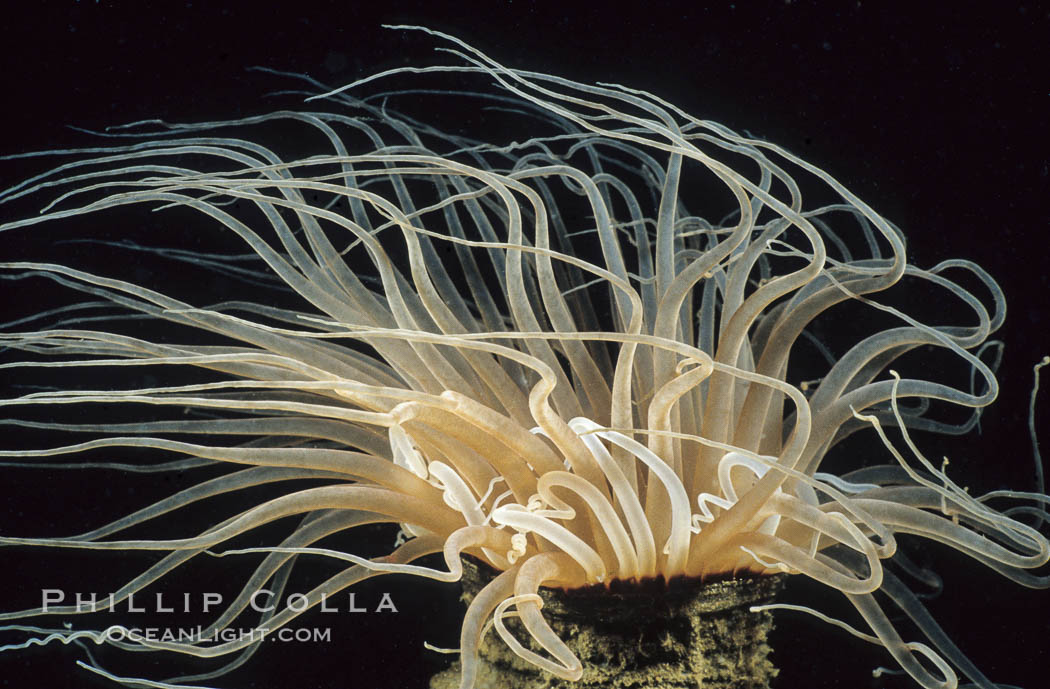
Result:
[610,352]
[609,595]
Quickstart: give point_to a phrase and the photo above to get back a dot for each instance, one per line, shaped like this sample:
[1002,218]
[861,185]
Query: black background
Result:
[936,117]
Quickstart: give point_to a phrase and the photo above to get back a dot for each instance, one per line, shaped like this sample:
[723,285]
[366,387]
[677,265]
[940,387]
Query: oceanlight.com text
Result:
[195,635]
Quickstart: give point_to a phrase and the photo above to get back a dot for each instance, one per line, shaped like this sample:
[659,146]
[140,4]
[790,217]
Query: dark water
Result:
[938,121]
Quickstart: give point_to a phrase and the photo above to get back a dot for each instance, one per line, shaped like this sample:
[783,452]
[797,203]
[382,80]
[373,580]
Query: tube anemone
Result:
[628,347]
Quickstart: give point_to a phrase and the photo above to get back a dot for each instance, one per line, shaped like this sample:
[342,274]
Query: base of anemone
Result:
[681,634]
